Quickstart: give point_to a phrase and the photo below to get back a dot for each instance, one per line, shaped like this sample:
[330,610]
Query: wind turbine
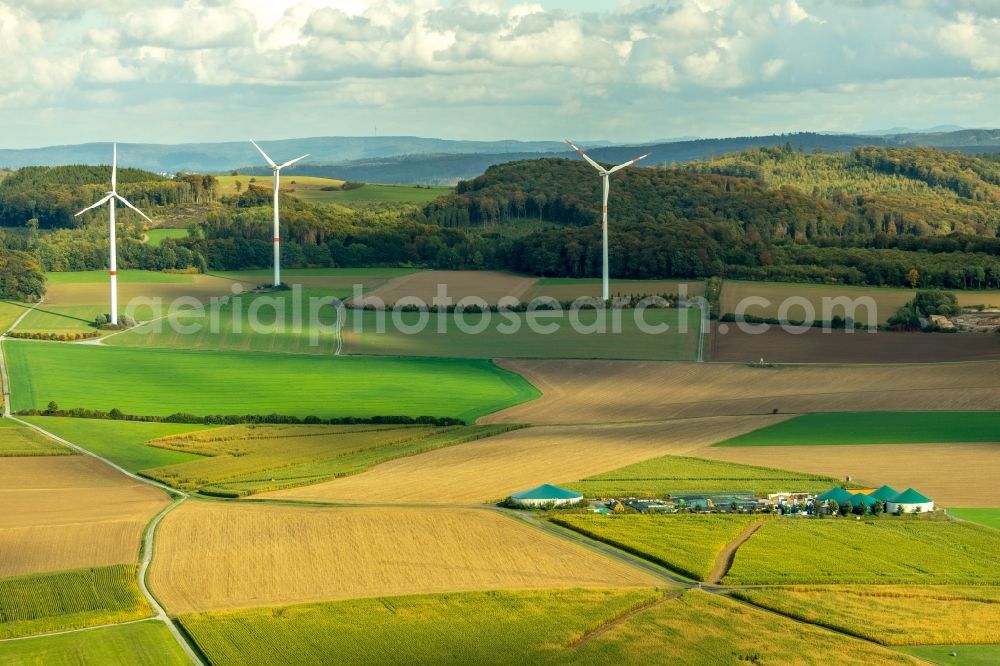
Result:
[605,173]
[276,168]
[109,198]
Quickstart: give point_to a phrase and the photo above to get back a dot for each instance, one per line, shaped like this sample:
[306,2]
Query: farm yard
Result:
[205,552]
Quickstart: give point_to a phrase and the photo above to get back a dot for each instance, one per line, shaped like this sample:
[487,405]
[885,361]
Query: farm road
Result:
[724,562]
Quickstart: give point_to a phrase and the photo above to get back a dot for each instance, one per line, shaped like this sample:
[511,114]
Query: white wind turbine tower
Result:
[276,168]
[605,173]
[109,198]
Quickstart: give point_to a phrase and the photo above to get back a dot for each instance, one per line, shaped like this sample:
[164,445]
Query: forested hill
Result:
[52,195]
[775,193]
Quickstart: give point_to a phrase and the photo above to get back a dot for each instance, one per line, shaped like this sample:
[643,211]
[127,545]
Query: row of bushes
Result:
[837,322]
[617,302]
[236,419]
[58,337]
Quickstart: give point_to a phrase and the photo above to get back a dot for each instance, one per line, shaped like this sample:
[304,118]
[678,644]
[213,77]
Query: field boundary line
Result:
[151,618]
[726,557]
[604,627]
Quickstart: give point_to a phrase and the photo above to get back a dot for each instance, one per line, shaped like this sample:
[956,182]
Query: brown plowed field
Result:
[814,346]
[487,285]
[491,469]
[212,556]
[67,512]
[953,475]
[620,391]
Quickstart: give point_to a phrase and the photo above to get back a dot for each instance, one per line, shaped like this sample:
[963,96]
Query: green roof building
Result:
[544,495]
[909,501]
[837,494]
[885,493]
[860,499]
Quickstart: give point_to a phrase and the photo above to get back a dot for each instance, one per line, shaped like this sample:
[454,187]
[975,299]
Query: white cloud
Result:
[192,26]
[974,39]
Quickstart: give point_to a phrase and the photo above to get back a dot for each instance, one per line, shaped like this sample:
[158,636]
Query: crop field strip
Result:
[45,603]
[243,460]
[138,644]
[890,614]
[591,391]
[242,383]
[490,286]
[66,512]
[875,428]
[951,474]
[206,552]
[889,550]
[490,469]
[18,441]
[988,517]
[667,475]
[689,544]
[534,627]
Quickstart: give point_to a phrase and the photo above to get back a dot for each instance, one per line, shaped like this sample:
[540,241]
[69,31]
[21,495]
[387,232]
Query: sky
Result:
[620,70]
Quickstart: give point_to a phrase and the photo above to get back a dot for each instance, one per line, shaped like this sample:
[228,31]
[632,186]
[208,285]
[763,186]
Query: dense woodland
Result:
[879,216]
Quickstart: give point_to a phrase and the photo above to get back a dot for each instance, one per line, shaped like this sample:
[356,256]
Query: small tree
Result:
[913,278]
[832,507]
[878,508]
[899,510]
[53,407]
[845,507]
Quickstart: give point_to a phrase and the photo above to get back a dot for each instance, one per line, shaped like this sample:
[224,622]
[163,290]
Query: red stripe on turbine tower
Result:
[277,240]
[114,272]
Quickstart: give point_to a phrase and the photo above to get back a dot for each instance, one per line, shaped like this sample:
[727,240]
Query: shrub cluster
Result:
[58,337]
[237,419]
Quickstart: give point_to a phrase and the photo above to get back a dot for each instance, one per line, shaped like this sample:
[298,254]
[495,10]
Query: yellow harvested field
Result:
[953,475]
[487,285]
[621,391]
[200,287]
[491,469]
[887,301]
[214,556]
[67,512]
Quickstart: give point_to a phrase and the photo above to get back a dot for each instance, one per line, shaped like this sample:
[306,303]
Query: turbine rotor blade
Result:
[269,160]
[114,167]
[629,163]
[126,202]
[585,156]
[291,162]
[104,200]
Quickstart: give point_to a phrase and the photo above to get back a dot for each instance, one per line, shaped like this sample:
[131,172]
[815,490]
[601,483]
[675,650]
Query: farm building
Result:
[860,499]
[545,495]
[838,494]
[885,493]
[909,501]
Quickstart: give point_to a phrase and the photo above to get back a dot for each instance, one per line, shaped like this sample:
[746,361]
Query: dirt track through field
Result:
[213,556]
[724,562]
[953,475]
[623,391]
[491,469]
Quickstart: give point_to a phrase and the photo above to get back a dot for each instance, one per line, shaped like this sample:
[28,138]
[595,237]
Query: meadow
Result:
[537,627]
[69,512]
[164,381]
[687,543]
[591,391]
[488,470]
[139,644]
[373,193]
[50,602]
[9,312]
[660,477]
[876,551]
[16,440]
[206,552]
[597,336]
[891,615]
[875,428]
[243,460]
[967,655]
[124,277]
[121,442]
[154,237]
[988,517]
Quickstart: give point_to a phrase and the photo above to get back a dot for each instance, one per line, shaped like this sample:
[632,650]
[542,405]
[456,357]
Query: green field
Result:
[16,440]
[891,615]
[988,517]
[141,644]
[537,627]
[875,428]
[966,655]
[372,193]
[242,460]
[63,318]
[164,381]
[156,236]
[129,276]
[660,477]
[688,543]
[494,342]
[49,602]
[9,312]
[121,442]
[880,551]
